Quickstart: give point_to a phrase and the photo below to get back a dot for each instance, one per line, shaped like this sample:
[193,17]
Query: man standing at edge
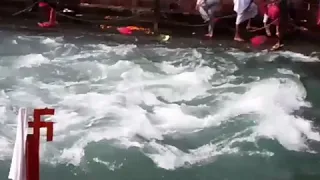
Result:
[208,10]
[287,16]
[246,10]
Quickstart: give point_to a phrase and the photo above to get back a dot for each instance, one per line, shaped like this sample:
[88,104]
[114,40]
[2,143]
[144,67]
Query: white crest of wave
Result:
[31,60]
[275,100]
[109,105]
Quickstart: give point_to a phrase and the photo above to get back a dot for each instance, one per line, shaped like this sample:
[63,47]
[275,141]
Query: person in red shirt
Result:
[272,12]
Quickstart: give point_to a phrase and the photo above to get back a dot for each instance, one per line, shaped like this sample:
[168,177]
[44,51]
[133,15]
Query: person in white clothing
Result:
[208,10]
[246,10]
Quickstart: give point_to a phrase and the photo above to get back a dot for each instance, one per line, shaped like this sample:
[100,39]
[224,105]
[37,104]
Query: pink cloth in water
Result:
[258,40]
[124,30]
[42,4]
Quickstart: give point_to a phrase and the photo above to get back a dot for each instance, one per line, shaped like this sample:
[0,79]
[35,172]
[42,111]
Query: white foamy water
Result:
[123,92]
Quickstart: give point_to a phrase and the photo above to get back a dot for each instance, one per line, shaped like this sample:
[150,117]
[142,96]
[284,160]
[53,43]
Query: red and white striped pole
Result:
[33,142]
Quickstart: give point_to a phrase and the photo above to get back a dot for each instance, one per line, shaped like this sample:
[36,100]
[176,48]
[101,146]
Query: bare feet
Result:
[208,35]
[239,39]
[276,47]
[268,32]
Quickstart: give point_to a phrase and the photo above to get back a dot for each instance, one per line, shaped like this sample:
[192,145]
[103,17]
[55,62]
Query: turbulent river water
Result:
[148,112]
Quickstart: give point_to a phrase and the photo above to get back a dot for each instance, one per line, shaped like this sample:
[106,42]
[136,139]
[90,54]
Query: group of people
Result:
[278,11]
[245,11]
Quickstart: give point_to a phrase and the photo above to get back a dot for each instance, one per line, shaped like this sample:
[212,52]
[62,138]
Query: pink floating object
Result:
[43,4]
[47,24]
[124,30]
[258,40]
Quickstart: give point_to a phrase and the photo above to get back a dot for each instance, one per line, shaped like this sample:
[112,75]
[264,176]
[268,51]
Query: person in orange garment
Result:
[282,10]
[47,14]
[273,13]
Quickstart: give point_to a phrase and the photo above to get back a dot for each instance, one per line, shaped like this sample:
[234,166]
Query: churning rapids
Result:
[156,112]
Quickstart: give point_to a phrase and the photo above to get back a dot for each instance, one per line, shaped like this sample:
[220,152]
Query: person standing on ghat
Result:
[208,10]
[246,10]
[284,11]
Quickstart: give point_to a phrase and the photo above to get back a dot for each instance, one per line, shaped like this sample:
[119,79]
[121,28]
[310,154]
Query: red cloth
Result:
[124,31]
[273,11]
[43,4]
[258,40]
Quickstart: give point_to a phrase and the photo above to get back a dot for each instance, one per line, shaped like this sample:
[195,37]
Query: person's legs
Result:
[265,23]
[282,24]
[280,35]
[253,11]
[237,36]
[206,17]
[211,26]
[208,11]
[277,30]
[241,17]
[214,7]
[204,13]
